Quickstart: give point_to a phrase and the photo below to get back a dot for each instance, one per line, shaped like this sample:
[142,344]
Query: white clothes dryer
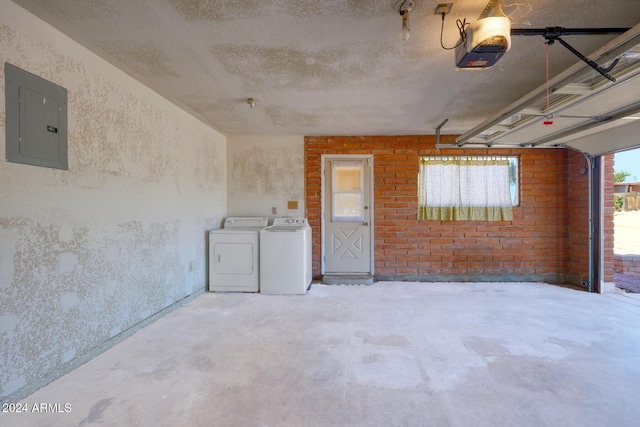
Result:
[234,255]
[285,257]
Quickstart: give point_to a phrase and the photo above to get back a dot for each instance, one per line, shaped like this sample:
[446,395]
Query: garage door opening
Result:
[626,220]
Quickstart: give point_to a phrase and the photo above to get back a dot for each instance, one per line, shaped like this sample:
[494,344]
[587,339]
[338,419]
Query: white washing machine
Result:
[234,255]
[285,257]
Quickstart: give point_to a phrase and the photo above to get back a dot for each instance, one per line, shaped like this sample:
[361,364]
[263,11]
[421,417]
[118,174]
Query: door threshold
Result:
[347,279]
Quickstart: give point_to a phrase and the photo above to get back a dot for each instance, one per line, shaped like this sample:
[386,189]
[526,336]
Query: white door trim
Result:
[324,159]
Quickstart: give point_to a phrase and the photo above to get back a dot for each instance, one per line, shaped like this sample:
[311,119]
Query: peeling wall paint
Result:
[87,253]
[265,172]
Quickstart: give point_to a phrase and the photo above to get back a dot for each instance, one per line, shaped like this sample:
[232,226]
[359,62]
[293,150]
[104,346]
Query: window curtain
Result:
[464,188]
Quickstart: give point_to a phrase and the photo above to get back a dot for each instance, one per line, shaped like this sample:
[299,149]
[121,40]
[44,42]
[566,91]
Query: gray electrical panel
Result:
[36,120]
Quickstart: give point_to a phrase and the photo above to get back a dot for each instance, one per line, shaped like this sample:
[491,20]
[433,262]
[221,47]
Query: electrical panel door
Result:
[36,120]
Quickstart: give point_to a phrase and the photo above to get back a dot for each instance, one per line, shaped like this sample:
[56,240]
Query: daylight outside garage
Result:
[627,220]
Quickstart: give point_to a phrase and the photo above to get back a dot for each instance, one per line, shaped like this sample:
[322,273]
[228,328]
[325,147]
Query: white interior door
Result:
[347,215]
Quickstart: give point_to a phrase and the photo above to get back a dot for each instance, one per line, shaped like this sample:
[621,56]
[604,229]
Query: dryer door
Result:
[233,258]
[234,261]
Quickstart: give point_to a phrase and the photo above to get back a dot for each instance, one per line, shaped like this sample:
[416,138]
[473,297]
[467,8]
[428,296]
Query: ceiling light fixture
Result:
[404,7]
[252,102]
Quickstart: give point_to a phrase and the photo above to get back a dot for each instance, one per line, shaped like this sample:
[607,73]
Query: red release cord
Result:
[547,122]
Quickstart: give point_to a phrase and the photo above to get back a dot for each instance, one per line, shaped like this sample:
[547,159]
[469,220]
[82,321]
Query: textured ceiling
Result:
[324,67]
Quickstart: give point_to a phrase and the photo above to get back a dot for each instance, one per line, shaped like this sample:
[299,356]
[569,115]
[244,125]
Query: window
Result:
[467,188]
[347,191]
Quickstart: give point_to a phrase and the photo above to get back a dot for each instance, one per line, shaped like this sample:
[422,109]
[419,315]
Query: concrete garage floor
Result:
[390,354]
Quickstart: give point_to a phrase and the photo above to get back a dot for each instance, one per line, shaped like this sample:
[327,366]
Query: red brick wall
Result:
[537,243]
[608,228]
[627,264]
[578,201]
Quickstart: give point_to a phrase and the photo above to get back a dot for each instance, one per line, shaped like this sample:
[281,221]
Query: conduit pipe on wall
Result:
[438,145]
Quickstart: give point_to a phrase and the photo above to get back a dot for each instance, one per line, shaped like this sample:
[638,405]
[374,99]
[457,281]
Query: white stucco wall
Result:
[265,172]
[87,253]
